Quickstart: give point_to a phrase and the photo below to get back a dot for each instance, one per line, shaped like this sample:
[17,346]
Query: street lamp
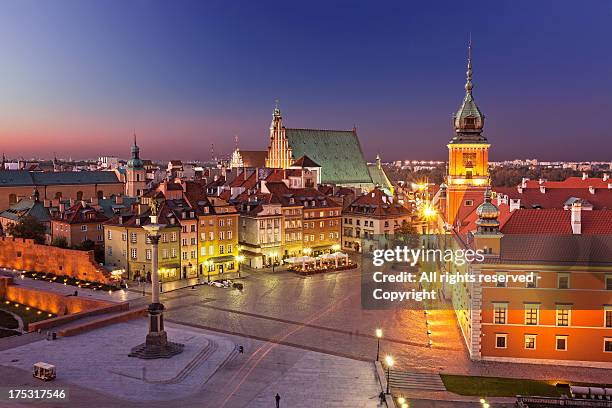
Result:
[378,337]
[207,264]
[239,259]
[274,255]
[389,361]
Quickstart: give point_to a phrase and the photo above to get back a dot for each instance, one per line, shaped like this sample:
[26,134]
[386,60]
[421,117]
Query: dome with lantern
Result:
[487,215]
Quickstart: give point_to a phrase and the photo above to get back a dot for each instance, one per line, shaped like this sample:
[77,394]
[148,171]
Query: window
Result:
[530,342]
[148,254]
[608,345]
[193,228]
[184,255]
[83,227]
[229,234]
[500,311]
[164,237]
[203,251]
[221,249]
[608,316]
[109,235]
[608,282]
[133,237]
[563,315]
[211,235]
[173,252]
[184,240]
[173,236]
[193,241]
[321,237]
[531,314]
[501,340]
[164,253]
[221,222]
[229,248]
[533,284]
[469,203]
[561,343]
[221,235]
[501,279]
[563,281]
[211,250]
[133,253]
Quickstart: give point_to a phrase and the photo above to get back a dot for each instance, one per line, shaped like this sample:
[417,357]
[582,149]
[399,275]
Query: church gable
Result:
[338,152]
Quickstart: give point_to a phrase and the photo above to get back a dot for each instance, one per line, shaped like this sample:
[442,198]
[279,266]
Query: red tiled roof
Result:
[556,197]
[557,221]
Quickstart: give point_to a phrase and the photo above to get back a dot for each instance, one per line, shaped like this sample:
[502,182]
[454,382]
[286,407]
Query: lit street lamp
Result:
[239,259]
[389,361]
[378,337]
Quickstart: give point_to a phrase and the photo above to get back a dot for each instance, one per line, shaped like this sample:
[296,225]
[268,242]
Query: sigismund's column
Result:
[156,344]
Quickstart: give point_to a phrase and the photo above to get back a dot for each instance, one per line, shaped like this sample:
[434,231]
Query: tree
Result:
[407,234]
[60,242]
[28,227]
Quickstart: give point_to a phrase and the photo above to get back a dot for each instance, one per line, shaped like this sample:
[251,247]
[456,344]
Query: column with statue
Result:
[156,344]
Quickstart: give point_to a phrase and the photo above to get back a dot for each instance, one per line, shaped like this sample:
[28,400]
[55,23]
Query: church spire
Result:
[469,120]
[468,83]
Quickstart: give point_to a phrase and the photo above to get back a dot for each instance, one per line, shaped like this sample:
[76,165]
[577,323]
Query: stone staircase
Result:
[411,380]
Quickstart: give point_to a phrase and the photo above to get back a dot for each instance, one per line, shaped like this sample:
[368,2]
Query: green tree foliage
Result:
[60,242]
[28,227]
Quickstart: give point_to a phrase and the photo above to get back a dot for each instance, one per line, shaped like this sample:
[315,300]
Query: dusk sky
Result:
[77,77]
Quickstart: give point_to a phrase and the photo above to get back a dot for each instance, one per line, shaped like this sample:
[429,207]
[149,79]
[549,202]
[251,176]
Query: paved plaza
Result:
[306,338]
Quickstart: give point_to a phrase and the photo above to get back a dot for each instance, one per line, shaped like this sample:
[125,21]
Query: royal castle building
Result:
[562,240]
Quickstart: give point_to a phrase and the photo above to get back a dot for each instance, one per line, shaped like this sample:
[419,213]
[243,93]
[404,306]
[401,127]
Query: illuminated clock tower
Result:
[468,157]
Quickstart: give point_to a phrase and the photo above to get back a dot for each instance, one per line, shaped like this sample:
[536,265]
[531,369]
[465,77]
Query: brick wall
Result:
[24,254]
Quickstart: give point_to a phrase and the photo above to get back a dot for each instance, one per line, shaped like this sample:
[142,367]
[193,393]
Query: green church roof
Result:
[338,152]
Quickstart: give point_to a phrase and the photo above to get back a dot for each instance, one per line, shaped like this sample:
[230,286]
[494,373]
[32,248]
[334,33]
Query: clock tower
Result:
[468,157]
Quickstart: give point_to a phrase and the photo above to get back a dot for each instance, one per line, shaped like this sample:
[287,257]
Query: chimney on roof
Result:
[543,189]
[524,182]
[541,181]
[137,220]
[576,212]
[609,185]
[591,189]
[585,175]
[606,177]
[515,204]
[520,189]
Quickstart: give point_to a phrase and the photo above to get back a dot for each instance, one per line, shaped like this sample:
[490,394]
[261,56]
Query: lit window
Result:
[561,343]
[563,315]
[501,340]
[500,311]
[530,341]
[531,314]
[608,316]
[608,282]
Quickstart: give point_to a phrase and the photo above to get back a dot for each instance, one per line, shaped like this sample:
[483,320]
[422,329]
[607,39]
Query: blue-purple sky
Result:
[77,77]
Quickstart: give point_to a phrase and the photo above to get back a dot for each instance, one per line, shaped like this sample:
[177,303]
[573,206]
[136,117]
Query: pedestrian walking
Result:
[382,398]
[277,398]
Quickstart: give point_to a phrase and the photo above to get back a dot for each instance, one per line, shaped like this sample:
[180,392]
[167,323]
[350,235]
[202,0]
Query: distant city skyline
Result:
[78,78]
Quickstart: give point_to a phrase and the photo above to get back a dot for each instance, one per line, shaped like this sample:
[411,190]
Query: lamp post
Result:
[239,259]
[156,344]
[378,337]
[389,361]
[207,264]
[274,255]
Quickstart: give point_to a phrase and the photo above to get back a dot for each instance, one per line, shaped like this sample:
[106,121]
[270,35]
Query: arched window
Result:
[12,199]
[58,195]
[79,195]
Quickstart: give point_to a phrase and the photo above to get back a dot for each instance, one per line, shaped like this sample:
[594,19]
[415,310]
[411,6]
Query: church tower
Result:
[280,155]
[135,173]
[468,157]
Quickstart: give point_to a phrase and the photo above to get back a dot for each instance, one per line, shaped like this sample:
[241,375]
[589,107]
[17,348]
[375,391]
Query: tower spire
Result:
[468,83]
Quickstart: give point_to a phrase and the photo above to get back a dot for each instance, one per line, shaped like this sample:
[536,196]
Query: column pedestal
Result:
[156,344]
